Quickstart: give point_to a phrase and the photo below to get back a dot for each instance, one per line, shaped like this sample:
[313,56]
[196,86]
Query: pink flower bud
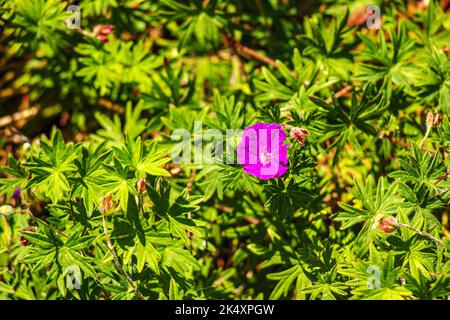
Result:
[106,204]
[141,185]
[107,29]
[433,120]
[387,225]
[22,240]
[299,134]
[102,38]
[101,31]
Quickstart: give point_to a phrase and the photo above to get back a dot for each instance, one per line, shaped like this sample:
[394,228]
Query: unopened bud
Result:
[433,119]
[387,225]
[141,185]
[22,240]
[106,204]
[101,31]
[299,134]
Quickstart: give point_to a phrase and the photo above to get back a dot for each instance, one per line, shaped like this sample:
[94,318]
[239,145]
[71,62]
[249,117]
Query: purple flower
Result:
[16,194]
[261,151]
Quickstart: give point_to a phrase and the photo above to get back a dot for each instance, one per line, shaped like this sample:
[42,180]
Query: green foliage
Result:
[93,205]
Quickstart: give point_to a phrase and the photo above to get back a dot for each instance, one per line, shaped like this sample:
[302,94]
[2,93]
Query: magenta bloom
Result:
[261,151]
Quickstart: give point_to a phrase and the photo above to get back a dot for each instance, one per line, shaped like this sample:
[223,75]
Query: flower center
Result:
[265,157]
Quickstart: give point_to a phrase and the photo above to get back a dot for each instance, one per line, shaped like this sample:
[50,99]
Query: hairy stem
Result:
[423,233]
[427,133]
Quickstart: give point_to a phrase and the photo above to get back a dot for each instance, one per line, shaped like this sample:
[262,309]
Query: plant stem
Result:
[340,93]
[111,106]
[425,136]
[116,260]
[191,181]
[445,175]
[423,233]
[33,217]
[7,233]
[250,52]
[400,143]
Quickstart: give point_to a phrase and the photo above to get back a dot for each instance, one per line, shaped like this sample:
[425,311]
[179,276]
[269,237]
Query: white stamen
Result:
[265,157]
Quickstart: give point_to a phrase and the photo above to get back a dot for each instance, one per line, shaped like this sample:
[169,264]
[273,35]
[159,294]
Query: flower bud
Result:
[387,225]
[106,204]
[299,134]
[433,120]
[22,240]
[101,31]
[17,193]
[141,185]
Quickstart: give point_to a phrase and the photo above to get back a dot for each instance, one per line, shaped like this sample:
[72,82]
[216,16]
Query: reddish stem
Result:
[249,52]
